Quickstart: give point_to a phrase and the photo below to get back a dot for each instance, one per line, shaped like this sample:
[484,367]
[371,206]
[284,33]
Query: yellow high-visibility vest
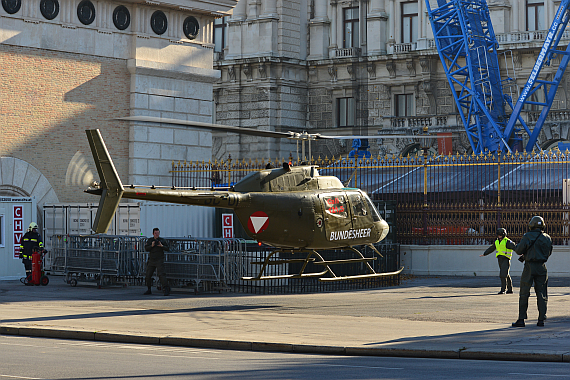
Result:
[501,247]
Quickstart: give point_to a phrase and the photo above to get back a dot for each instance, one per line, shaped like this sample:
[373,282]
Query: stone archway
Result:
[20,179]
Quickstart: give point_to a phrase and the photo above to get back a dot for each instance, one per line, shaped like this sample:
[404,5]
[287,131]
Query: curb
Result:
[466,354]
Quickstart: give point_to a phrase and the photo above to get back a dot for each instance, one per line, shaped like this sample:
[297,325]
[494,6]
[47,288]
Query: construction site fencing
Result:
[103,259]
[248,264]
[201,263]
[205,265]
[447,199]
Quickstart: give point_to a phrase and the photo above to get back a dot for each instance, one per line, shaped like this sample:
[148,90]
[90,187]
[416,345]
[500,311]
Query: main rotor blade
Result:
[319,136]
[255,132]
[217,127]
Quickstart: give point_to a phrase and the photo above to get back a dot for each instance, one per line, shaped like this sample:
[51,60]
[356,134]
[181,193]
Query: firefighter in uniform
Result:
[504,247]
[30,240]
[535,248]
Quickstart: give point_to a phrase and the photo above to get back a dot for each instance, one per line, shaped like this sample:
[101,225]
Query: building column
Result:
[377,6]
[252,9]
[362,26]
[319,32]
[270,8]
[334,32]
[391,22]
[235,31]
[320,10]
[240,10]
[376,25]
[516,16]
[421,21]
[550,13]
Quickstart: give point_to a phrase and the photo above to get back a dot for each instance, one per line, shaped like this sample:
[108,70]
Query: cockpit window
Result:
[375,215]
[336,205]
[358,205]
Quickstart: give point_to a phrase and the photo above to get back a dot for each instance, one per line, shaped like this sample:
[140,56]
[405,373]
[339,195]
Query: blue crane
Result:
[468,50]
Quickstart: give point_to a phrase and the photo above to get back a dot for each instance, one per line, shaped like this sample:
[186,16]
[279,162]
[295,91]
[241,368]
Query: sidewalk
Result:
[435,317]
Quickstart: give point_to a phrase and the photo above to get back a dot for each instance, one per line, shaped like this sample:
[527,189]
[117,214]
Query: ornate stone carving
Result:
[425,63]
[411,67]
[262,71]
[391,67]
[232,73]
[248,72]
[351,72]
[332,73]
[313,74]
[517,60]
[371,67]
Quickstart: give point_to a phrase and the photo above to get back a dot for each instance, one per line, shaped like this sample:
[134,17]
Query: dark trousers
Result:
[534,272]
[157,265]
[504,267]
[28,267]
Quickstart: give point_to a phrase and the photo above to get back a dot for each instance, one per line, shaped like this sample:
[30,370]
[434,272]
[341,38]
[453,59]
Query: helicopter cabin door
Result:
[336,214]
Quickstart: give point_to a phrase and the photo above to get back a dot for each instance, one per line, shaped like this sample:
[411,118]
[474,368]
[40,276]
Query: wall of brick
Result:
[47,101]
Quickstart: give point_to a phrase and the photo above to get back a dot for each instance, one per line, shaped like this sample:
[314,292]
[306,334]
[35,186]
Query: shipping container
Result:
[176,220]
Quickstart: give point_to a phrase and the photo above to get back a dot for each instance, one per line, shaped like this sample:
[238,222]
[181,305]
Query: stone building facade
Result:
[365,67]
[71,65]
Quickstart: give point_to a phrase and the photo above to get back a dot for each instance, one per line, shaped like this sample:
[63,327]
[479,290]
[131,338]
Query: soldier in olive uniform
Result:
[504,247]
[535,248]
[155,246]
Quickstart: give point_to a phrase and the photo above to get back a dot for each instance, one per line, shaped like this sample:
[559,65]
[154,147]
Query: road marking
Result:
[21,377]
[357,366]
[537,374]
[180,356]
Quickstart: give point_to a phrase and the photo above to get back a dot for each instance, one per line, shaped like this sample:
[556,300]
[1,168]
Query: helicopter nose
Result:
[385,228]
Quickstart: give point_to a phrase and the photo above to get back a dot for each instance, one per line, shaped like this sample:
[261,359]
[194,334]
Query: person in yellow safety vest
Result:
[504,247]
[30,240]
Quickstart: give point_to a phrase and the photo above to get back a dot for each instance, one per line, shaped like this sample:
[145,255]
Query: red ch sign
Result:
[18,223]
[228,226]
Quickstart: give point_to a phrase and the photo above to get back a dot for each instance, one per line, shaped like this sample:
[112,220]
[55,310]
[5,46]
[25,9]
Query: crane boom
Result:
[549,87]
[468,50]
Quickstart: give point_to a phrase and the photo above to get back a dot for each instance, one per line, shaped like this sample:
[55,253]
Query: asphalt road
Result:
[40,358]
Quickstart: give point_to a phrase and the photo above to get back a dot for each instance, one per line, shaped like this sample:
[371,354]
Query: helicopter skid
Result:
[321,261]
[362,276]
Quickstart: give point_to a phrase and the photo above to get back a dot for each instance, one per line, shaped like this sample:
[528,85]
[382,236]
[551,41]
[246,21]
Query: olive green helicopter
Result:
[291,208]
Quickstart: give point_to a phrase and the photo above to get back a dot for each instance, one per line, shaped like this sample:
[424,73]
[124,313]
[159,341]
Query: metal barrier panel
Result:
[98,258]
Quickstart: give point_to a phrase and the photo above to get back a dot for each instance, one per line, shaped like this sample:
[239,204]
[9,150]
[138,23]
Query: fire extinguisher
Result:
[36,268]
[38,278]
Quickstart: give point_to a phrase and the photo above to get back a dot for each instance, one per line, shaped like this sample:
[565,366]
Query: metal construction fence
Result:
[250,264]
[455,199]
[203,264]
[103,259]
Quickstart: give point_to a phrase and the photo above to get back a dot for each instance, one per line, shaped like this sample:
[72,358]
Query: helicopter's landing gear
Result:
[318,260]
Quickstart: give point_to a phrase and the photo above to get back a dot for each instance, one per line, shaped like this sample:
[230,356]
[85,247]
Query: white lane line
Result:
[22,345]
[20,377]
[537,374]
[355,366]
[180,356]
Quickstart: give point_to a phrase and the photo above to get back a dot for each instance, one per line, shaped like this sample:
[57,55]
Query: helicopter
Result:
[291,208]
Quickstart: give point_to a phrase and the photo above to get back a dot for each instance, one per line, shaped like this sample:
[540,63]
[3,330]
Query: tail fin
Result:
[111,186]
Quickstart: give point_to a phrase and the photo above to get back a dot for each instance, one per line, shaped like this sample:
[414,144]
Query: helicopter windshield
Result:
[375,215]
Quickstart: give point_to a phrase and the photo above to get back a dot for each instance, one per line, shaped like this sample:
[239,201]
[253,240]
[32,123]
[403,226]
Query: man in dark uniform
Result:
[535,248]
[155,246]
[30,240]
[504,247]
